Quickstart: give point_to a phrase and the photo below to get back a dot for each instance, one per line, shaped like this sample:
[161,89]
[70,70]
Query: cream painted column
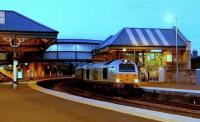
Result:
[14,67]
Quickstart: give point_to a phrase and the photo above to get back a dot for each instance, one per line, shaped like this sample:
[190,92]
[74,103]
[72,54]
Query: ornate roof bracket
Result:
[13,41]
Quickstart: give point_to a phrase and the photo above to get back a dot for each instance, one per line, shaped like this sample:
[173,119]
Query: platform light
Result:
[1,68]
[169,18]
[117,80]
[124,49]
[10,65]
[125,61]
[26,64]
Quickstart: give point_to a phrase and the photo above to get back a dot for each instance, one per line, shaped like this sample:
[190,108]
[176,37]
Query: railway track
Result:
[192,110]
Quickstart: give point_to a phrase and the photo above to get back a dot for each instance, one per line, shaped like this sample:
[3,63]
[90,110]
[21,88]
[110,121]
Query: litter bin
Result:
[198,76]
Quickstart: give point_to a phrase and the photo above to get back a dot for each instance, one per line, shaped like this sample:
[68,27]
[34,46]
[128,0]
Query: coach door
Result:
[83,74]
[105,73]
[87,74]
[95,74]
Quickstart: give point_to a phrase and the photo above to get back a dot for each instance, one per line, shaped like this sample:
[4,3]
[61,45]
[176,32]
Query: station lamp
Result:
[1,68]
[124,49]
[169,18]
[125,61]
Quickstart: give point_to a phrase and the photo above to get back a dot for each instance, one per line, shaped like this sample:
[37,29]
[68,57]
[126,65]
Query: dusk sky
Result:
[97,19]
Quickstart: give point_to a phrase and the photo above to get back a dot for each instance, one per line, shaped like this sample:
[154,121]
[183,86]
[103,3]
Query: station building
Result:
[153,49]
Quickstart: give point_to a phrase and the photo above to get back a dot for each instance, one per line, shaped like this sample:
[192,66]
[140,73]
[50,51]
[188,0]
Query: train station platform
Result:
[30,102]
[171,87]
[26,104]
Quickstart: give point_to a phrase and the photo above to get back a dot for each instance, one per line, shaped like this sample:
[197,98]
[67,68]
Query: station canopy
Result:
[145,37]
[23,33]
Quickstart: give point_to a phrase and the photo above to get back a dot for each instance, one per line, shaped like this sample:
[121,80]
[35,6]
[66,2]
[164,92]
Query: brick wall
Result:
[185,76]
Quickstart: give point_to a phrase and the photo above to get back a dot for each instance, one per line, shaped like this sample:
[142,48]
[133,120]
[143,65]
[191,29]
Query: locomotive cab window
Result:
[126,68]
[105,73]
[87,74]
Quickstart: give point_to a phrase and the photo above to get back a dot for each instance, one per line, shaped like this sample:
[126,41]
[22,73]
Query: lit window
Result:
[152,56]
[169,58]
[2,17]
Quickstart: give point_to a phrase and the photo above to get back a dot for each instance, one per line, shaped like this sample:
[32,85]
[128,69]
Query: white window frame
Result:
[169,59]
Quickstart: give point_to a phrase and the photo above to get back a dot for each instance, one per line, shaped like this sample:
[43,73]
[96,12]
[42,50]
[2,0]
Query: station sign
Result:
[156,51]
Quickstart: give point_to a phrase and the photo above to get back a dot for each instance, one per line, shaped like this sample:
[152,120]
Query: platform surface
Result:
[170,85]
[28,105]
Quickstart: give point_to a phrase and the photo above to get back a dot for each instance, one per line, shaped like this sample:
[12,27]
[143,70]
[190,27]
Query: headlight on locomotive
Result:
[136,81]
[117,80]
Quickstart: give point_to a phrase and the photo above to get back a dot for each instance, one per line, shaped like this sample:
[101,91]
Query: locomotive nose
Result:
[136,81]
[117,80]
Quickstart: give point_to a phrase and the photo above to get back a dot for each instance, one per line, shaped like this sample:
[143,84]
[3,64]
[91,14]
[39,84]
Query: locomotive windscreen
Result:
[126,68]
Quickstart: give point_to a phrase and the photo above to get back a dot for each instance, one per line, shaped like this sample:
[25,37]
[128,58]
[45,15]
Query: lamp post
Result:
[76,54]
[177,61]
[170,18]
[14,44]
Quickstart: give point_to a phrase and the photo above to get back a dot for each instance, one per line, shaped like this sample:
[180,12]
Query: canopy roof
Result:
[145,37]
[27,34]
[12,21]
[79,41]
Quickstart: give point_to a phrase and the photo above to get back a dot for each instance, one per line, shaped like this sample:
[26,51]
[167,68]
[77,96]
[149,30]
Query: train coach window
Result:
[105,73]
[87,74]
[126,68]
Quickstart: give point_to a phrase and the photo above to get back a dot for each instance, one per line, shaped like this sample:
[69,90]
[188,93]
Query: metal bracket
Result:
[17,44]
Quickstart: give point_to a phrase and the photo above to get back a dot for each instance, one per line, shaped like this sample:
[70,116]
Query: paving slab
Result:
[27,105]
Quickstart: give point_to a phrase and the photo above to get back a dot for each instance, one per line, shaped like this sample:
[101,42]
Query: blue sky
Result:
[97,19]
